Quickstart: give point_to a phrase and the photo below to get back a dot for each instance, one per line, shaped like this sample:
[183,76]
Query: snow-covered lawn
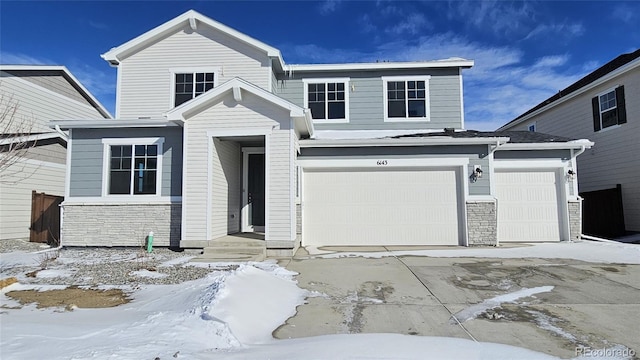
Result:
[231,314]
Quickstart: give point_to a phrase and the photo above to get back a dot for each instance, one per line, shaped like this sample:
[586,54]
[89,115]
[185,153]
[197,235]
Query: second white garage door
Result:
[528,208]
[380,207]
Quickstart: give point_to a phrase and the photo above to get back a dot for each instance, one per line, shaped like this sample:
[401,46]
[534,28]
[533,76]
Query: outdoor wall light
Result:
[571,174]
[477,173]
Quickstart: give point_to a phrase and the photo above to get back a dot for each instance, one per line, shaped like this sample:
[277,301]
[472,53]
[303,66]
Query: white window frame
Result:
[325,81]
[106,165]
[611,90]
[427,107]
[216,70]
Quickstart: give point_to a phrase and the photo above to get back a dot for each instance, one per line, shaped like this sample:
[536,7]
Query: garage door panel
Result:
[528,207]
[365,207]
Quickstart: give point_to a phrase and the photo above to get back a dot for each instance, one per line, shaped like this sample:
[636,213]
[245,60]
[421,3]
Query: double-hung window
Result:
[406,98]
[609,109]
[132,166]
[188,85]
[328,99]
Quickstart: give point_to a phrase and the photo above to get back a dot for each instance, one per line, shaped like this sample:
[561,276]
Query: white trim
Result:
[325,81]
[382,162]
[444,63]
[461,100]
[619,71]
[107,142]
[244,131]
[462,174]
[292,183]
[216,70]
[185,161]
[492,173]
[524,164]
[244,210]
[267,187]
[575,144]
[480,198]
[427,98]
[114,124]
[27,138]
[67,180]
[67,74]
[209,211]
[118,91]
[615,94]
[174,24]
[121,200]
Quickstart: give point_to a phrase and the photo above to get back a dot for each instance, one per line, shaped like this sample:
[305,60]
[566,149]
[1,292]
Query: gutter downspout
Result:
[494,149]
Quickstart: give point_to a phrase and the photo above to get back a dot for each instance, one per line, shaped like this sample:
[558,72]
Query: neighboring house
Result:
[39,94]
[215,134]
[603,106]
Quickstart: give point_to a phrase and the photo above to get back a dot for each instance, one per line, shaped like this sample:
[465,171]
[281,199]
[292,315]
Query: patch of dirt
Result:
[609,269]
[71,297]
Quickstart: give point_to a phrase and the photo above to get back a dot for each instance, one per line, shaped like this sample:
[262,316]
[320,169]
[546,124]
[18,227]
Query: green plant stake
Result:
[150,242]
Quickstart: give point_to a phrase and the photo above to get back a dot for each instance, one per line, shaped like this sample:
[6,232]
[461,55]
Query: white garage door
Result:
[380,207]
[527,206]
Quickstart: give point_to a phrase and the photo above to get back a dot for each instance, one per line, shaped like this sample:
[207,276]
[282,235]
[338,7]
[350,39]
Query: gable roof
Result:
[68,76]
[235,85]
[614,67]
[193,19]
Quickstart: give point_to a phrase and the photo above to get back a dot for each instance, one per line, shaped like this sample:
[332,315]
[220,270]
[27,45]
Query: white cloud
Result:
[564,29]
[500,17]
[329,6]
[410,25]
[551,61]
[9,58]
[623,12]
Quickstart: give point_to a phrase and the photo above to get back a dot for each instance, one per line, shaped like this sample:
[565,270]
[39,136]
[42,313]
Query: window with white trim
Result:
[406,98]
[188,85]
[532,127]
[132,166]
[609,109]
[328,99]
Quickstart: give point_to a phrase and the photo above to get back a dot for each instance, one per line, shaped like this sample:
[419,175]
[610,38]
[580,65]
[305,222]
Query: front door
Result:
[255,191]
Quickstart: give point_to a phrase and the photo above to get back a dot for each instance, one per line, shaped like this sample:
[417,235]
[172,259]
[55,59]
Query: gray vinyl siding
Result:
[87,158]
[562,154]
[614,157]
[477,155]
[50,150]
[146,80]
[36,105]
[52,80]
[366,99]
[20,179]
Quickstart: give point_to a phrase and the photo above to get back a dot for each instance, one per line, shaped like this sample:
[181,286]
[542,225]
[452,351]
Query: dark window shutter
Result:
[622,111]
[596,113]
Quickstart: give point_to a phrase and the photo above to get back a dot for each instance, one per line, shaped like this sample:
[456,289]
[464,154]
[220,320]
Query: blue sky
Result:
[524,51]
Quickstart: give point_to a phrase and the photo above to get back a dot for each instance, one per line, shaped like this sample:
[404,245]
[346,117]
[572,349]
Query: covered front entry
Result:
[253,189]
[529,205]
[373,206]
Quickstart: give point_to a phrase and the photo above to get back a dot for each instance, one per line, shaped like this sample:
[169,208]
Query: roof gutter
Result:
[575,144]
[111,124]
[329,143]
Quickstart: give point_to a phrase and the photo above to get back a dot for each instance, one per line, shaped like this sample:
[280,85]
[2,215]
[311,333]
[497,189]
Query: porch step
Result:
[234,250]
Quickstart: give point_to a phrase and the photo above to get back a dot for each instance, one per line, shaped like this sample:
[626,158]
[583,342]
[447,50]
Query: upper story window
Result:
[187,83]
[328,99]
[609,109]
[132,166]
[532,127]
[406,98]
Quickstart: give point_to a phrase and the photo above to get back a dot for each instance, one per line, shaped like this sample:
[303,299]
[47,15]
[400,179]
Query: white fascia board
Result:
[463,63]
[400,142]
[28,138]
[575,144]
[381,162]
[68,75]
[190,17]
[106,124]
[619,71]
[199,103]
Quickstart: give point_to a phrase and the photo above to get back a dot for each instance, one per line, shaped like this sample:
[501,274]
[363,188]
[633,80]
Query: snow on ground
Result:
[478,309]
[147,273]
[590,251]
[54,273]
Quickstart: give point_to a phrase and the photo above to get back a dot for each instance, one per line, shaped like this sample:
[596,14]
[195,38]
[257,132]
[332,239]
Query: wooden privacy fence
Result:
[602,213]
[45,218]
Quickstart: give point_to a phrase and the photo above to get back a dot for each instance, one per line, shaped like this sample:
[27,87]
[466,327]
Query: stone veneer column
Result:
[482,223]
[575,219]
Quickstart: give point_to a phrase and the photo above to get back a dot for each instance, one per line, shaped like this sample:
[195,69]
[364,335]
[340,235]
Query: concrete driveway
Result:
[592,306]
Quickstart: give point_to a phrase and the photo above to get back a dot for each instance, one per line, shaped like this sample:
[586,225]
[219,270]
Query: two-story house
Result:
[603,106]
[32,155]
[216,135]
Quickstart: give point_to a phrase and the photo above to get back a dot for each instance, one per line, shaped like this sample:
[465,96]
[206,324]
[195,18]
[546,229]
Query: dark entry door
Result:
[256,194]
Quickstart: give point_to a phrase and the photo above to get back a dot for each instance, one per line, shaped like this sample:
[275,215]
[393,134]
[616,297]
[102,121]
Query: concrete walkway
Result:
[591,305]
